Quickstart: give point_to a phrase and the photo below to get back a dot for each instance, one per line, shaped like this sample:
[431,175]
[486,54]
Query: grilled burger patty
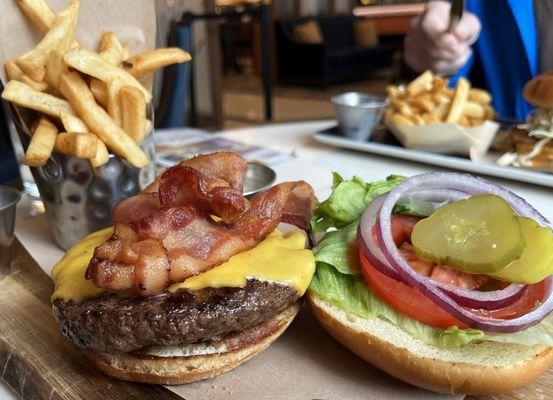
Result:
[110,324]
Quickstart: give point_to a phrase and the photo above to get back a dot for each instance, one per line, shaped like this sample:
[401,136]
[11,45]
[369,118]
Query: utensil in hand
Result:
[455,14]
[258,177]
[8,200]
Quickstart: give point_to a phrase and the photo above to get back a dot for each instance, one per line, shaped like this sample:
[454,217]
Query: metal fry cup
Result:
[79,198]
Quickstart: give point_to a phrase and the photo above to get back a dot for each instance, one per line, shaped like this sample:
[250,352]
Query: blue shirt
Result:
[506,53]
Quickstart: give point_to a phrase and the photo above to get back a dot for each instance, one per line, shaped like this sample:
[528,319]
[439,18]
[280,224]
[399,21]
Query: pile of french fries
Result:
[427,99]
[89,103]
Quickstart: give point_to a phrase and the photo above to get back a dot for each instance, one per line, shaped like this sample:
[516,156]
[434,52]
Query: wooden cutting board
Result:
[37,362]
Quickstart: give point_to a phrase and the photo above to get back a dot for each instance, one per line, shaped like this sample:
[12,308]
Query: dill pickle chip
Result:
[536,262]
[478,235]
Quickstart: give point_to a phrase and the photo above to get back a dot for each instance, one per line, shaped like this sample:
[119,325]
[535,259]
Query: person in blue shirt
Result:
[495,45]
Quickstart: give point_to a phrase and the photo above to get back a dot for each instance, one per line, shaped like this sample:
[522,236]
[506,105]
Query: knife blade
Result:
[455,14]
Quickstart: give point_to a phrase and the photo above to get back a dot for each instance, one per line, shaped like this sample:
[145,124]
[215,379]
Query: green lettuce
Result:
[348,201]
[337,279]
[354,296]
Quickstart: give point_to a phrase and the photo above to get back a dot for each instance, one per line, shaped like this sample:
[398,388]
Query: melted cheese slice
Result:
[279,258]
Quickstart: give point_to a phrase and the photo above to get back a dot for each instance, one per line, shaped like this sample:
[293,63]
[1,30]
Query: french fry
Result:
[399,119]
[41,144]
[464,121]
[489,112]
[38,86]
[424,103]
[39,13]
[74,88]
[430,118]
[480,96]
[460,97]
[24,96]
[77,144]
[149,61]
[13,72]
[473,110]
[113,104]
[420,84]
[102,155]
[393,92]
[111,49]
[133,112]
[417,119]
[438,84]
[405,109]
[92,64]
[100,92]
[72,123]
[55,68]
[59,37]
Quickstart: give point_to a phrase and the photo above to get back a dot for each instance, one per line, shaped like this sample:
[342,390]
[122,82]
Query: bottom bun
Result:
[176,370]
[476,368]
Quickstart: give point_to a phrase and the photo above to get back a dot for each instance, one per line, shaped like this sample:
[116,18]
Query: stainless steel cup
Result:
[8,201]
[358,114]
[79,198]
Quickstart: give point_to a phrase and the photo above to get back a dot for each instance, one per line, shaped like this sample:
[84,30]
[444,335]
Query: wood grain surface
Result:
[37,362]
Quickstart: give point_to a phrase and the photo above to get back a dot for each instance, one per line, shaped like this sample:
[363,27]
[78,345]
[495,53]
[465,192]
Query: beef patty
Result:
[111,324]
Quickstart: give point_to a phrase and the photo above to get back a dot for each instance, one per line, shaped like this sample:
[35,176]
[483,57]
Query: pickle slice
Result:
[536,262]
[478,235]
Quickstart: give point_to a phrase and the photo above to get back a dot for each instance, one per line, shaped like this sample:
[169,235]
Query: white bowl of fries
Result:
[84,117]
[427,115]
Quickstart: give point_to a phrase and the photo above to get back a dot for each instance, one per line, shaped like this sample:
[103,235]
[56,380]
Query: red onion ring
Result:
[474,186]
[490,300]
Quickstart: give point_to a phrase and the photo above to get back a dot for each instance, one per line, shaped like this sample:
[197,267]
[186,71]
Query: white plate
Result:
[517,174]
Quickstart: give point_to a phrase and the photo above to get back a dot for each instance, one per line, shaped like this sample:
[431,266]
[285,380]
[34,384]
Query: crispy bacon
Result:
[173,244]
[227,166]
[212,182]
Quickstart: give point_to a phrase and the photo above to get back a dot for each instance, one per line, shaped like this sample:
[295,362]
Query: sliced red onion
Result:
[473,186]
[426,201]
[490,300]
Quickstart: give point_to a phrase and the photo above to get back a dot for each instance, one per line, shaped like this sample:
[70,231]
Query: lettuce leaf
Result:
[348,201]
[339,249]
[338,281]
[353,295]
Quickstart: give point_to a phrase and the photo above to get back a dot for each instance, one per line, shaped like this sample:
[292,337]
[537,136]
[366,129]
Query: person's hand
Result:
[430,46]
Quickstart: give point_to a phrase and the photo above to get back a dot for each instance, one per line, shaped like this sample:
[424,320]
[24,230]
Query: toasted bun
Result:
[176,370]
[477,368]
[539,91]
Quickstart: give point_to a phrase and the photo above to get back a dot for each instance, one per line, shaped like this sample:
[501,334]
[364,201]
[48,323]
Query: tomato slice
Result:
[411,302]
[406,299]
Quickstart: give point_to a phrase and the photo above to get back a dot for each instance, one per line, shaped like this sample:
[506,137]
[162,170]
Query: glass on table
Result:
[8,201]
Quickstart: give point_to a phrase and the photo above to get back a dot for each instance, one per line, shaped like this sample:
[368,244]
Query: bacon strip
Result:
[172,244]
[212,182]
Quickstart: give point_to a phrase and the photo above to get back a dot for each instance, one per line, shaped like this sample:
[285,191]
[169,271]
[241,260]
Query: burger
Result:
[530,145]
[192,280]
[442,280]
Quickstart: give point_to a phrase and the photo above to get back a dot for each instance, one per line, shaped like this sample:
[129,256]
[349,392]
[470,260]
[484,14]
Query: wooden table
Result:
[38,363]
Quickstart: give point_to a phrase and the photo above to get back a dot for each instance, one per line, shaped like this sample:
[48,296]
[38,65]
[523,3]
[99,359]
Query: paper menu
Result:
[173,145]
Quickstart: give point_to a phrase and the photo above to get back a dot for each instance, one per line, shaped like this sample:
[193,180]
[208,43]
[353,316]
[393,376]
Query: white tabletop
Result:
[297,138]
[315,162]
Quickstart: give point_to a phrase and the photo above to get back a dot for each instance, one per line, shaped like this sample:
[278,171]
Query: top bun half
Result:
[539,91]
